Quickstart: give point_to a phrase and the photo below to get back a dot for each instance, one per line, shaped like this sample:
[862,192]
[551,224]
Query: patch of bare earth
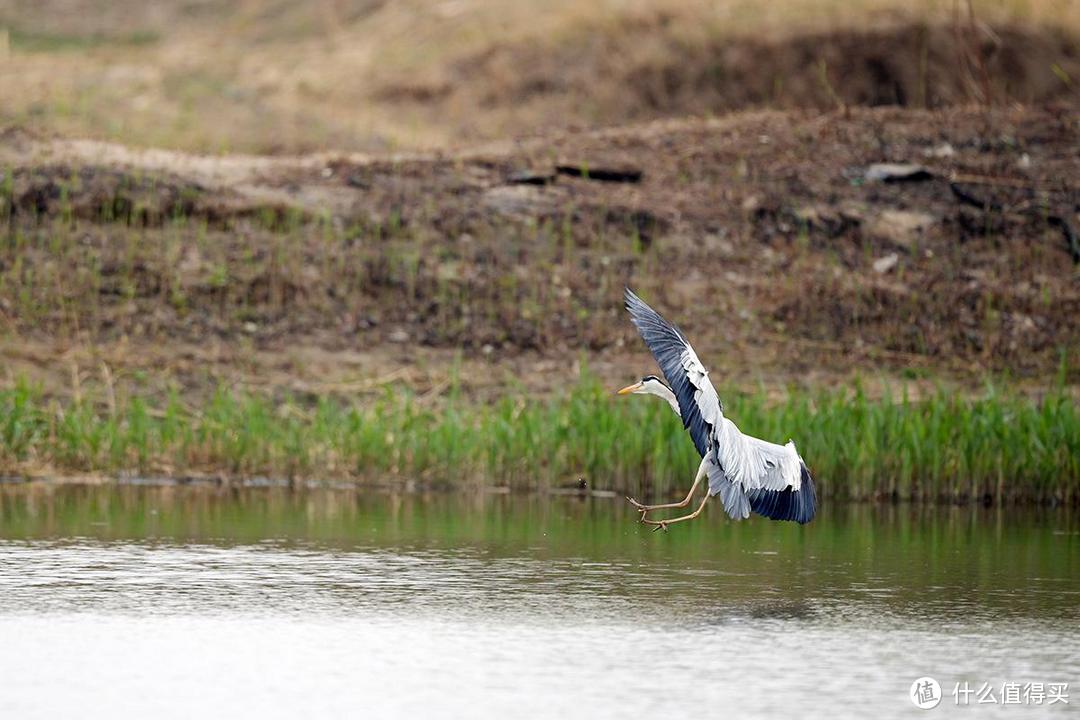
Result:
[770,238]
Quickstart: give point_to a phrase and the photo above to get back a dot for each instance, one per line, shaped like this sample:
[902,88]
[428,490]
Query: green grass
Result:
[45,42]
[945,446]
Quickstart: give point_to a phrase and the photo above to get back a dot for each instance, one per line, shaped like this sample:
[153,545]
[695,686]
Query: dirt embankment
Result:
[641,68]
[769,237]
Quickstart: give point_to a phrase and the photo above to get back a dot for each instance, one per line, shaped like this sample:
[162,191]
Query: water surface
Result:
[197,602]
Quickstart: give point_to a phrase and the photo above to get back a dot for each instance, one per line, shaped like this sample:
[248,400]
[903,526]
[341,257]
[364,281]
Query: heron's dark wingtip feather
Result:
[788,504]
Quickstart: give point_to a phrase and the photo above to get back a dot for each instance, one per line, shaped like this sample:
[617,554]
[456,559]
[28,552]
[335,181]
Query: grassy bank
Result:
[1000,444]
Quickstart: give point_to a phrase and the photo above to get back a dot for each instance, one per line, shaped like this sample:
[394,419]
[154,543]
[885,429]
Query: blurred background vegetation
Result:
[271,76]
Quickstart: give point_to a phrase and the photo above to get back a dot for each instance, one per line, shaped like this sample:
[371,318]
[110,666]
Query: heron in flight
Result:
[747,473]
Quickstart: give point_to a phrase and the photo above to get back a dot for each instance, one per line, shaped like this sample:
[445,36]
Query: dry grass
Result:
[272,76]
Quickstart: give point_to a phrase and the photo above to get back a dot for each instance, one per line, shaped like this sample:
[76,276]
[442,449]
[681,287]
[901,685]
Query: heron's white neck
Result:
[660,390]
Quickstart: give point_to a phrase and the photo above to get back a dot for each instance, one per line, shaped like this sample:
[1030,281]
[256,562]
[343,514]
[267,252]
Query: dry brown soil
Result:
[760,233]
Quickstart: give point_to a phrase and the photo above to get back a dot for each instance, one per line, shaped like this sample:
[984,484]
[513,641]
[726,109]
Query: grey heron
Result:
[749,474]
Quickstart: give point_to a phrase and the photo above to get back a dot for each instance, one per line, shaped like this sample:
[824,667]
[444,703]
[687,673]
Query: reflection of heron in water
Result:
[747,473]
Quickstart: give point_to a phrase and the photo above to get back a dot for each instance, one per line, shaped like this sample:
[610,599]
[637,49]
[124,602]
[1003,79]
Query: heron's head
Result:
[648,385]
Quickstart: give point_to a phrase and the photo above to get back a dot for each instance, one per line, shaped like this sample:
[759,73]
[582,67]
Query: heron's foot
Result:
[643,509]
[657,524]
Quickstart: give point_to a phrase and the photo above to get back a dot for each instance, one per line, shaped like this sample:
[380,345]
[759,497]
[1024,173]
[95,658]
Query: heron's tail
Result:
[797,505]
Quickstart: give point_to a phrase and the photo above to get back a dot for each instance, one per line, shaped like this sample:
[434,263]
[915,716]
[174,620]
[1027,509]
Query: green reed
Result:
[999,444]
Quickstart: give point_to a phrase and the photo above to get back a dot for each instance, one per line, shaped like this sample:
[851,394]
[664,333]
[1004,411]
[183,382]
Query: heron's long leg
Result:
[681,504]
[662,524]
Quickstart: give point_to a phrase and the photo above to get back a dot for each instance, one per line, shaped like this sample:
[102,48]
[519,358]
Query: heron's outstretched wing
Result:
[699,405]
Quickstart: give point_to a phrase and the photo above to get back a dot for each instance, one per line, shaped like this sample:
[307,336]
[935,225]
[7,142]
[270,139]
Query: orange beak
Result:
[629,389]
